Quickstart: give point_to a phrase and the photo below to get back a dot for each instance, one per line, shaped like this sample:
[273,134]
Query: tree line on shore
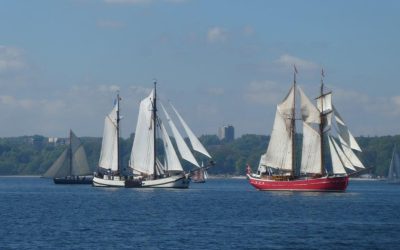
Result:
[33,155]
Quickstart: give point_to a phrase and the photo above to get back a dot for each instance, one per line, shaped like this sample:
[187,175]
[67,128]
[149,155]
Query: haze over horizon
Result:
[219,62]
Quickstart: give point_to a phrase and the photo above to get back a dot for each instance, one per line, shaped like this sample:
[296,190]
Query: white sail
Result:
[309,112]
[351,156]
[311,151]
[324,102]
[394,168]
[142,155]
[182,147]
[172,160]
[345,161]
[196,144]
[344,132]
[337,165]
[263,163]
[109,146]
[279,151]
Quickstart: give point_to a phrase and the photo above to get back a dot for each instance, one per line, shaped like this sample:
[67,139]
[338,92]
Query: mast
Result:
[70,152]
[294,123]
[118,119]
[322,123]
[154,124]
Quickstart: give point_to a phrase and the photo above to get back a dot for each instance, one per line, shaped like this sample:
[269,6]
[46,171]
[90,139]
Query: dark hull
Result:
[75,180]
[198,181]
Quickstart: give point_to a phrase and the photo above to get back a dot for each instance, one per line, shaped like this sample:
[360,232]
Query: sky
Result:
[218,62]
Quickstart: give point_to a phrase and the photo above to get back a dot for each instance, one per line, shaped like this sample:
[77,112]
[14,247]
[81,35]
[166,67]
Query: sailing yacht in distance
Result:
[72,166]
[278,170]
[394,168]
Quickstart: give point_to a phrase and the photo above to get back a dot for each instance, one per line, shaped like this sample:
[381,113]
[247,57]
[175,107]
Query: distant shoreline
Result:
[23,176]
[210,177]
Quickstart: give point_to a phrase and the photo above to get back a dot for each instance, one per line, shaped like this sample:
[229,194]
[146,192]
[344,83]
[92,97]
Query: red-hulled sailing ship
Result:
[322,126]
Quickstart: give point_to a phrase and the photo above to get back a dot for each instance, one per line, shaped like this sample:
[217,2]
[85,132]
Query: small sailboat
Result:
[200,175]
[394,168]
[278,169]
[71,167]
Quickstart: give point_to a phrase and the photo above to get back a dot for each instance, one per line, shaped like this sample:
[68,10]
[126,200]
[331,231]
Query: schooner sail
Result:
[109,172]
[145,164]
[322,126]
[71,167]
[145,161]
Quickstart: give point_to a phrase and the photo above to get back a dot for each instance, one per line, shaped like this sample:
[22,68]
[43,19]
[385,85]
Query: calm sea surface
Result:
[220,214]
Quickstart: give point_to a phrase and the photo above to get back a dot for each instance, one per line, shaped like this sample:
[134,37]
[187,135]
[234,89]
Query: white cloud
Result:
[216,34]
[301,64]
[108,88]
[140,91]
[396,100]
[7,100]
[11,59]
[264,92]
[394,105]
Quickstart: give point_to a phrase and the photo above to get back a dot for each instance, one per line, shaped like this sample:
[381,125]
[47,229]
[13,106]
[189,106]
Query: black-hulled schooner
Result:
[72,166]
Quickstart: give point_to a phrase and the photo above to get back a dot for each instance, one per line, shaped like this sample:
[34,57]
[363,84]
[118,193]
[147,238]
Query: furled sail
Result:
[279,151]
[172,160]
[311,151]
[109,146]
[142,155]
[182,147]
[196,144]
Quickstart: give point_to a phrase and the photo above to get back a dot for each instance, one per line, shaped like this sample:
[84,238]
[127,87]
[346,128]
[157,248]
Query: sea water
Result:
[219,214]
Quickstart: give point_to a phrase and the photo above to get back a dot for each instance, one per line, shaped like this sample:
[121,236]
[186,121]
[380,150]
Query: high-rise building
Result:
[226,133]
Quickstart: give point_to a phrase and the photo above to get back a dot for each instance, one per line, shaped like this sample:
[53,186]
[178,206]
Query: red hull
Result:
[323,184]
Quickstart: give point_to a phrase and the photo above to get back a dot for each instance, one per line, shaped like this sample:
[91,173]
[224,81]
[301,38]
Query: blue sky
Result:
[219,62]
